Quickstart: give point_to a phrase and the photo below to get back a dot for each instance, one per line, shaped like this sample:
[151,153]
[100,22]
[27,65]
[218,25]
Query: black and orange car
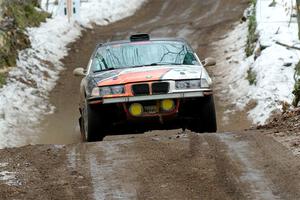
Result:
[143,84]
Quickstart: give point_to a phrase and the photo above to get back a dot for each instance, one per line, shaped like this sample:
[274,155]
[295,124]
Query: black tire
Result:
[206,119]
[81,124]
[92,124]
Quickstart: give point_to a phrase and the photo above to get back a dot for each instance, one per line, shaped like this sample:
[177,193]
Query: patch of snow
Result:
[59,146]
[3,164]
[6,176]
[274,66]
[72,158]
[25,97]
[9,178]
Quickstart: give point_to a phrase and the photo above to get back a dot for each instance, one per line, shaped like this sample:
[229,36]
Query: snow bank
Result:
[274,66]
[25,97]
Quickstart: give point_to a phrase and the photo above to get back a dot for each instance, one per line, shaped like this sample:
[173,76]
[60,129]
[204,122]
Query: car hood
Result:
[151,73]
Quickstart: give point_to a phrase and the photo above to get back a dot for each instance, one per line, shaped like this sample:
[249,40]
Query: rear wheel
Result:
[92,125]
[205,119]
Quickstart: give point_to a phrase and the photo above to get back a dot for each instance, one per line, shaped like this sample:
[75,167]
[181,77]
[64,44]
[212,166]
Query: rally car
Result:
[142,84]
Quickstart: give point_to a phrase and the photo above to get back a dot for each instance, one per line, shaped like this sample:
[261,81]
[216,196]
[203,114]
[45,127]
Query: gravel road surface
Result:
[157,165]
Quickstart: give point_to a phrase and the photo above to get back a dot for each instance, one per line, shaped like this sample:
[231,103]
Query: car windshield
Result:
[148,53]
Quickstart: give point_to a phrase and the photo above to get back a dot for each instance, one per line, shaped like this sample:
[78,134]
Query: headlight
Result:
[191,84]
[167,104]
[119,89]
[108,90]
[104,91]
[136,109]
[95,92]
[204,83]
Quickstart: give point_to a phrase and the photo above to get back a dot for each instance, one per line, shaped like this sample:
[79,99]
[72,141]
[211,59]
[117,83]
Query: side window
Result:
[99,62]
[189,59]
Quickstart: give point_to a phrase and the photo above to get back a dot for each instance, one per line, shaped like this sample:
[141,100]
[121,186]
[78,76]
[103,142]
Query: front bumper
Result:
[151,97]
[117,115]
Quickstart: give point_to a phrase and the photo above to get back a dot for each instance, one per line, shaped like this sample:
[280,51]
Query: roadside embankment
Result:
[262,69]
[15,18]
[261,66]
[24,97]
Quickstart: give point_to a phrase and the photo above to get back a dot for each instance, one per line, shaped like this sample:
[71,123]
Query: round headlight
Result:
[136,109]
[167,104]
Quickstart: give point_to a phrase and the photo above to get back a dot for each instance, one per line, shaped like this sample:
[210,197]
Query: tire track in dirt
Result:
[163,166]
[110,171]
[185,167]
[280,167]
[260,186]
[169,165]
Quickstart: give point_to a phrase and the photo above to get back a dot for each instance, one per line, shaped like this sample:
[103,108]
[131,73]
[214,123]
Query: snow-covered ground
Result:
[25,97]
[274,67]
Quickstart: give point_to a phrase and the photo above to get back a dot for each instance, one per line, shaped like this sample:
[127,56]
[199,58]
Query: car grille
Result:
[160,88]
[140,89]
[150,107]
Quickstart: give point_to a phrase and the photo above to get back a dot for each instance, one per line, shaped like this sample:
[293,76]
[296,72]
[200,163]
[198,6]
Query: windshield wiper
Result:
[152,64]
[155,64]
[102,70]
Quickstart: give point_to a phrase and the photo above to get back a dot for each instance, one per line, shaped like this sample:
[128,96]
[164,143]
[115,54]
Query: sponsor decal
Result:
[132,76]
[151,74]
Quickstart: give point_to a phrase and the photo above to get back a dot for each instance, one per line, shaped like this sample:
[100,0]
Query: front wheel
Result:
[92,126]
[205,119]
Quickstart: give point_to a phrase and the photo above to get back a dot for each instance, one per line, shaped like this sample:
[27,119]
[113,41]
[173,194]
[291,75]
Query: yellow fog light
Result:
[167,104]
[136,109]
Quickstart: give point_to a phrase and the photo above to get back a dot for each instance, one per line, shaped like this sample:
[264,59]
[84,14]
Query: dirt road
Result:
[158,164]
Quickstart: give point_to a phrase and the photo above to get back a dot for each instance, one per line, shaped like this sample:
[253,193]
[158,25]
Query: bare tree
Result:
[47,5]
[298,16]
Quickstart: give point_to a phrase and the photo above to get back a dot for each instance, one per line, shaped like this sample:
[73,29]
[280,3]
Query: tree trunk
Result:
[298,17]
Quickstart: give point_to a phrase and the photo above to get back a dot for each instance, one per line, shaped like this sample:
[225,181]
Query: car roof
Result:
[171,39]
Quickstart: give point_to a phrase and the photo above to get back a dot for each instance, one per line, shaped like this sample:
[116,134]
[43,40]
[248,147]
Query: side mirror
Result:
[209,62]
[79,72]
